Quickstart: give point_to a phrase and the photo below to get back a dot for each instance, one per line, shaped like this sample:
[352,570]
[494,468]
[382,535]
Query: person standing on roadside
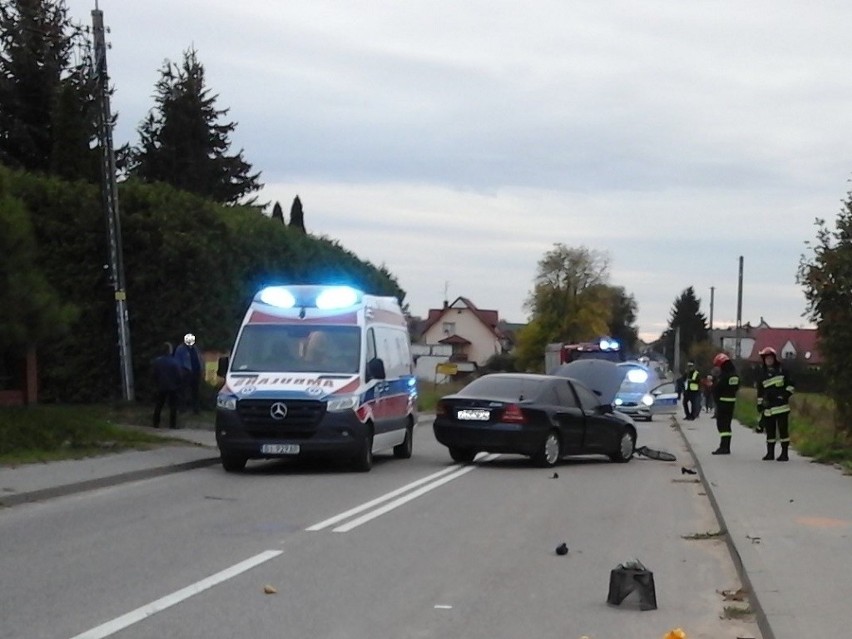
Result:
[725,396]
[691,394]
[774,389]
[168,380]
[190,362]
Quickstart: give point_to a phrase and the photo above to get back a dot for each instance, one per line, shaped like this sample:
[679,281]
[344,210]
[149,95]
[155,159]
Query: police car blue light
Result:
[337,297]
[277,296]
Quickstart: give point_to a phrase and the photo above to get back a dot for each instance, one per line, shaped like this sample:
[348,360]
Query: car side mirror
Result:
[375,369]
[222,368]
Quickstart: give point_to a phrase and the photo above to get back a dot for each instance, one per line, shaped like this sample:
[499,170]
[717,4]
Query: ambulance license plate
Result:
[280,449]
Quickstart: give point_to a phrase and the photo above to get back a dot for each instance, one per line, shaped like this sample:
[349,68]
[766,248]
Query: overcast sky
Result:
[456,141]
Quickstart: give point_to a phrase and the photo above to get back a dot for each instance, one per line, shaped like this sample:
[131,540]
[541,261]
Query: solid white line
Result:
[135,616]
[378,512]
[379,500]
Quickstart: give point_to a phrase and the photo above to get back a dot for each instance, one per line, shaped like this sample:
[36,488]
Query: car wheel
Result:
[626,446]
[550,450]
[233,463]
[462,455]
[364,459]
[404,450]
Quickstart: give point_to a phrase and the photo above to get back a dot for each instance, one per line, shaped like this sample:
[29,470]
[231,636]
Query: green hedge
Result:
[190,266]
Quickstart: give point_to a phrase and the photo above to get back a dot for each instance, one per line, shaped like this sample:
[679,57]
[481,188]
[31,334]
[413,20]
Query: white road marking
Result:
[378,512]
[443,607]
[378,500]
[135,616]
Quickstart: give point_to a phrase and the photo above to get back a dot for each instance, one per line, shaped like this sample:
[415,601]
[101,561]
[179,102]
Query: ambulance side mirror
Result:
[375,369]
[222,368]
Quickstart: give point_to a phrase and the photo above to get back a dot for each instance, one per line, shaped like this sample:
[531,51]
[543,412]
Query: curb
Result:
[102,482]
[754,600]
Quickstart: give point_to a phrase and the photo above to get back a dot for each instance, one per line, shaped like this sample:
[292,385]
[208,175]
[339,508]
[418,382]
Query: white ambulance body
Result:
[317,370]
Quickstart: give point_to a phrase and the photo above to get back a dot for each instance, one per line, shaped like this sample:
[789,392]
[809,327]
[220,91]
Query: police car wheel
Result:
[233,463]
[364,458]
[404,450]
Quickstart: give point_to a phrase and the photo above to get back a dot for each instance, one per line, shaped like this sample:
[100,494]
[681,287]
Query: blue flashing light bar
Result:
[337,297]
[277,296]
[609,345]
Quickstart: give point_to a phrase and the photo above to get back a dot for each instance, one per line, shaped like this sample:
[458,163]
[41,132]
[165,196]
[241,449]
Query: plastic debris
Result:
[675,633]
[562,549]
[270,590]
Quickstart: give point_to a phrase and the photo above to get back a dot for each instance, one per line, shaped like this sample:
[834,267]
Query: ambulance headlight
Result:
[226,402]
[340,404]
[277,296]
[648,400]
[337,297]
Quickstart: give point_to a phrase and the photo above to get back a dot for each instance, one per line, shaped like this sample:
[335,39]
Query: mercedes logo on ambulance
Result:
[278,411]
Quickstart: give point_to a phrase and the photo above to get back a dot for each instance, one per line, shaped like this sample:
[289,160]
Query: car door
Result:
[599,429]
[665,399]
[572,423]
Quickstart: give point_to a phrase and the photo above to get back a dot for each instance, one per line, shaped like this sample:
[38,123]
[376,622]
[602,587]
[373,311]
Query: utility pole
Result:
[738,349]
[712,294]
[109,191]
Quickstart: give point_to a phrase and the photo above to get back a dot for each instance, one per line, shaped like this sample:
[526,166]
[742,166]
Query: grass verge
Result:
[812,427]
[710,534]
[429,393]
[48,433]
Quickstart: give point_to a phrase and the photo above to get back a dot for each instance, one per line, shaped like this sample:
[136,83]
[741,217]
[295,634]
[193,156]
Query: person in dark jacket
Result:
[189,359]
[725,396]
[168,380]
[774,389]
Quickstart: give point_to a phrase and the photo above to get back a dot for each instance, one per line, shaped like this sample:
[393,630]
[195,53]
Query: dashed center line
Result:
[431,482]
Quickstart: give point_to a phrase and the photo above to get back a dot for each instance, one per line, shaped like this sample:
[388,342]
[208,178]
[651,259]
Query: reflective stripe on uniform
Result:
[733,381]
[778,381]
[776,410]
[789,389]
[784,440]
[770,441]
[725,434]
[728,399]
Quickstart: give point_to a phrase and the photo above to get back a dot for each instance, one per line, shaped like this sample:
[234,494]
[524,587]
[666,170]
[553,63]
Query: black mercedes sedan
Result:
[544,417]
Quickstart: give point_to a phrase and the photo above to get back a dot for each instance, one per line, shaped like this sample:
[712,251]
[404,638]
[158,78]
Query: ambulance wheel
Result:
[364,459]
[404,450]
[233,463]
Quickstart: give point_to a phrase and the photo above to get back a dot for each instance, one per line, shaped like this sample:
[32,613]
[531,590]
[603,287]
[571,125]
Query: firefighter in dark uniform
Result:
[774,388]
[691,384]
[725,393]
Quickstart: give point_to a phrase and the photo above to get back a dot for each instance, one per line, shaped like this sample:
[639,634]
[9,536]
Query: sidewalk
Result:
[789,527]
[34,482]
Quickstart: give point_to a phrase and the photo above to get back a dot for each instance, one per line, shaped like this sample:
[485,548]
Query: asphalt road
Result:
[419,548]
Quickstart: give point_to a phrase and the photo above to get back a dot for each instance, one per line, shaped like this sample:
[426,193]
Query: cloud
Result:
[456,142]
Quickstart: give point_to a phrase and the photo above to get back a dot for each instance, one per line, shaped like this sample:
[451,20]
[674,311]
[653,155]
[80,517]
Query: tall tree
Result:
[183,142]
[297,215]
[827,280]
[685,315]
[622,322]
[569,302]
[278,213]
[48,116]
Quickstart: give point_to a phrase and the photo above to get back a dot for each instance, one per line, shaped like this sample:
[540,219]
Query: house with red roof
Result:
[789,343]
[473,333]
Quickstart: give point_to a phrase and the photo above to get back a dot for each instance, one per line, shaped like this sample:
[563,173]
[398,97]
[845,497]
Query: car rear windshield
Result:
[507,388]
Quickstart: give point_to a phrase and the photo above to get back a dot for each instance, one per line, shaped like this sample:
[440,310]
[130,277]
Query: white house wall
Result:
[483,342]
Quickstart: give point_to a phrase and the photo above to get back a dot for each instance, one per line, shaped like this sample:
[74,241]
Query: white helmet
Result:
[189,339]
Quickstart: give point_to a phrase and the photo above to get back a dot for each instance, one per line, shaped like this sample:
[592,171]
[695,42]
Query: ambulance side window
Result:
[371,344]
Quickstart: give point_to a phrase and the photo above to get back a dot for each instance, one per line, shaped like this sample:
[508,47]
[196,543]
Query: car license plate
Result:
[474,415]
[280,449]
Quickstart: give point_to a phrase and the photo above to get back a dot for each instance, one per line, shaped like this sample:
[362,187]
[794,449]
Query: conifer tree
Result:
[183,142]
[297,215]
[278,213]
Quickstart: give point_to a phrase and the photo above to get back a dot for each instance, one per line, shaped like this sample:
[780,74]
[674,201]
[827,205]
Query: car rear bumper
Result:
[491,438]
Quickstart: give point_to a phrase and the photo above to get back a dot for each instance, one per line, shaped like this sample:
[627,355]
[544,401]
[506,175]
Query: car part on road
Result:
[625,579]
[652,453]
[562,549]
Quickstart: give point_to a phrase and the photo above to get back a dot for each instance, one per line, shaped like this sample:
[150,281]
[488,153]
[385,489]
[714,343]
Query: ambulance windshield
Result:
[282,348]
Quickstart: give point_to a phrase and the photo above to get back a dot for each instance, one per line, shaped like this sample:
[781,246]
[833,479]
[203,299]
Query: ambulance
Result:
[317,371]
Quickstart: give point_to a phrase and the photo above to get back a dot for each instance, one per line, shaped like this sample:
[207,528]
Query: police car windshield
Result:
[271,348]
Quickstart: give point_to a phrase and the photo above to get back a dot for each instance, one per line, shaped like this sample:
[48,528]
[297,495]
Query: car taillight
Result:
[513,415]
[441,409]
